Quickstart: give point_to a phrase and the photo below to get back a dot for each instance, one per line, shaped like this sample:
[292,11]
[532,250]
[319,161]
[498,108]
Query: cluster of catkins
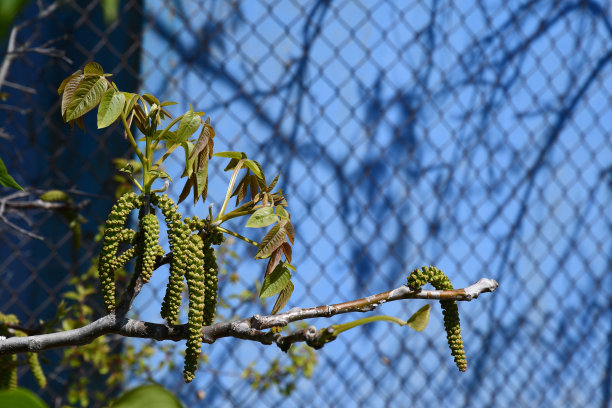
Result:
[9,363]
[437,278]
[193,259]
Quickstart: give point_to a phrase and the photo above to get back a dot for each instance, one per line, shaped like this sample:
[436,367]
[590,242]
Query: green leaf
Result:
[6,179]
[255,168]
[419,320]
[187,126]
[151,100]
[273,239]
[86,96]
[276,281]
[168,103]
[55,195]
[189,160]
[262,218]
[283,298]
[110,108]
[20,398]
[150,396]
[130,101]
[93,68]
[281,212]
[231,155]
[65,81]
[68,89]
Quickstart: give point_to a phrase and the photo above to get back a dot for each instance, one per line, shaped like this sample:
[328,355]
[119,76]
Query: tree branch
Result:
[247,329]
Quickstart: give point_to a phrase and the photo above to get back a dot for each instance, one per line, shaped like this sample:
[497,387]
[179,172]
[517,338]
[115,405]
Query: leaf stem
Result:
[131,139]
[245,239]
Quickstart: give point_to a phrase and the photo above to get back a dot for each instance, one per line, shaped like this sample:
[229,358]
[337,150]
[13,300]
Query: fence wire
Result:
[470,136]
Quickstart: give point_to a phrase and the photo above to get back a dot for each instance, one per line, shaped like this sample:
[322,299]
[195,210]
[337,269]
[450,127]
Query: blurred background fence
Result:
[471,136]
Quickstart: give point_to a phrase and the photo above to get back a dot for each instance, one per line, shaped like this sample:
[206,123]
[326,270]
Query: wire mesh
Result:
[470,136]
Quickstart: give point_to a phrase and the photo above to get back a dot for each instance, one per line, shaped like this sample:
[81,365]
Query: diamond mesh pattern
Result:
[474,137]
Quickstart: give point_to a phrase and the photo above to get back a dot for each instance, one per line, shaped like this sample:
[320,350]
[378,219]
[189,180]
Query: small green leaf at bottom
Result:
[20,398]
[276,281]
[150,396]
[283,298]
[418,321]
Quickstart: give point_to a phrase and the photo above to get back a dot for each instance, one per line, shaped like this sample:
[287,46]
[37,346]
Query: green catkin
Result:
[8,372]
[210,276]
[195,284]
[178,235]
[114,233]
[149,249]
[37,372]
[430,274]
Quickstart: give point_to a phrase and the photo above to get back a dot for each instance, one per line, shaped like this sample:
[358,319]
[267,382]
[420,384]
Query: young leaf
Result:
[187,126]
[275,282]
[5,178]
[290,232]
[281,212]
[255,168]
[262,218]
[287,250]
[151,100]
[273,261]
[168,103]
[273,183]
[130,100]
[273,239]
[189,160]
[419,320]
[86,96]
[202,142]
[231,155]
[110,108]
[283,298]
[65,81]
[93,68]
[68,90]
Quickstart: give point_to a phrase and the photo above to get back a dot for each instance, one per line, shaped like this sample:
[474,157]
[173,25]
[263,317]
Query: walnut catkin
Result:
[114,234]
[195,284]
[430,274]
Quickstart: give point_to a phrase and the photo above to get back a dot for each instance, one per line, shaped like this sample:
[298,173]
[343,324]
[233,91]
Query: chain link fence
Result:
[470,136]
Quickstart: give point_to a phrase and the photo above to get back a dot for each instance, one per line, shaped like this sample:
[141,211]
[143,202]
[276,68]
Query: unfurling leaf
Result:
[231,155]
[65,81]
[262,218]
[273,261]
[93,68]
[110,108]
[273,239]
[6,179]
[281,212]
[86,96]
[276,281]
[419,320]
[187,126]
[68,87]
[255,168]
[151,100]
[283,298]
